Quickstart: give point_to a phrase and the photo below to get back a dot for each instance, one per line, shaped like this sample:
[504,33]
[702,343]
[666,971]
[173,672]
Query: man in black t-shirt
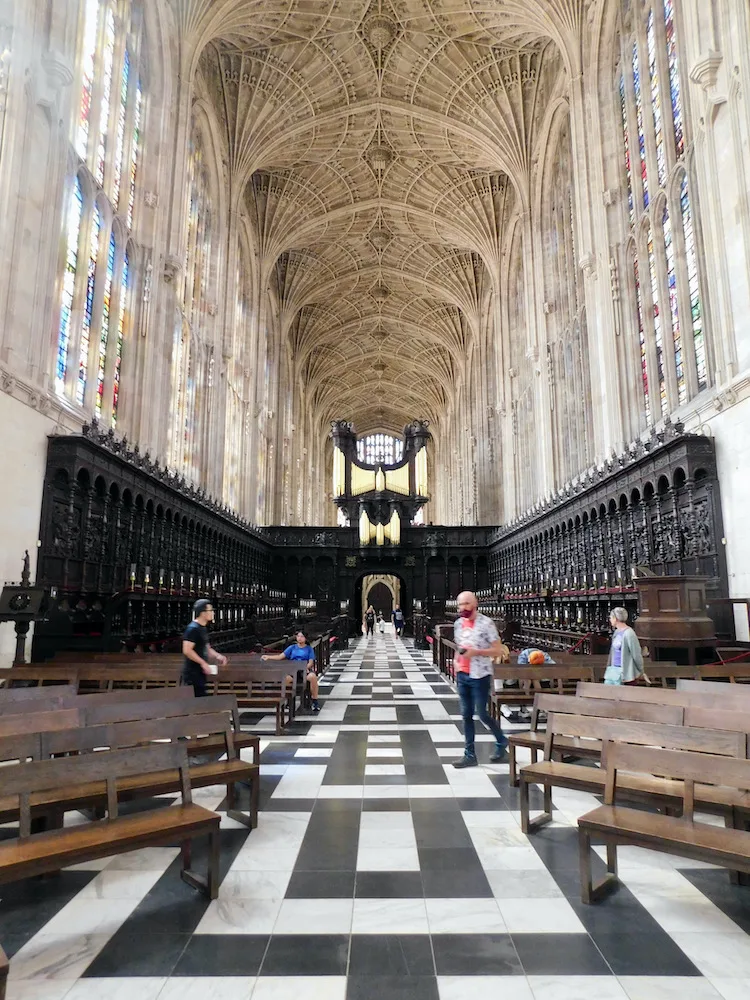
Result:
[197,651]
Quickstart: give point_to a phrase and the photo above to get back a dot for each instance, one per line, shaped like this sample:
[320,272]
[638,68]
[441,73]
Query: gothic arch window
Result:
[665,313]
[192,353]
[98,219]
[380,449]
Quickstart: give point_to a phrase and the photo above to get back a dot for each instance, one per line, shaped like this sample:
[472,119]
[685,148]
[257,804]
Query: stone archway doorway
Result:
[383,588]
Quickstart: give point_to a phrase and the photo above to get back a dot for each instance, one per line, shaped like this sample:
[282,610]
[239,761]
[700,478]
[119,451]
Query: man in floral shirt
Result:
[478,642]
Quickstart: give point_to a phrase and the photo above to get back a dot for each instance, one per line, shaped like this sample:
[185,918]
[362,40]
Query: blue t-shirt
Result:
[296,652]
[617,639]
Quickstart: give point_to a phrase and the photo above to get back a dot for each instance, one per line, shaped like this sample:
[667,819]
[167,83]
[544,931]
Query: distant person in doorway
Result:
[625,664]
[381,622]
[477,642]
[398,620]
[370,621]
[300,650]
[199,656]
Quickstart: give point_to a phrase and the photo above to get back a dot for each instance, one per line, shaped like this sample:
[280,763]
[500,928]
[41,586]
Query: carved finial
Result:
[25,573]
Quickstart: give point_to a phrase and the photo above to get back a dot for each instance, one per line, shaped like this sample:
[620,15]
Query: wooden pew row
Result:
[533,739]
[131,706]
[18,698]
[688,773]
[660,793]
[102,734]
[32,854]
[697,697]
[262,687]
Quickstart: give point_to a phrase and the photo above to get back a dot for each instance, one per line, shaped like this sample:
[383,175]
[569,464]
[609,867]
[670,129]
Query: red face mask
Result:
[466,613]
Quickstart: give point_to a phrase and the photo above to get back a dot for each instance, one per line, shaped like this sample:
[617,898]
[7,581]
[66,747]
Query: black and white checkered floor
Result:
[379,871]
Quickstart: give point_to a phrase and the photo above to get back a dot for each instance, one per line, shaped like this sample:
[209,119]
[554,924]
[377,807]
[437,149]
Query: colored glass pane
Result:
[653,73]
[673,307]
[124,279]
[108,58]
[380,449]
[88,57]
[657,323]
[626,143]
[641,338]
[121,119]
[135,149]
[675,90]
[88,307]
[639,121]
[106,316]
[696,311]
[73,229]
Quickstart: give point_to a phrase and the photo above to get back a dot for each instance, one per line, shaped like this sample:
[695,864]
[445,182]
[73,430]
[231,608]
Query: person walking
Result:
[478,642]
[381,622]
[398,620]
[196,649]
[370,621]
[625,665]
[300,650]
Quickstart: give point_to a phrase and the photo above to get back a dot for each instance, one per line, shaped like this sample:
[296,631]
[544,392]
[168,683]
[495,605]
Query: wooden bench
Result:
[24,722]
[729,673]
[21,699]
[699,697]
[37,853]
[657,792]
[533,739]
[688,772]
[561,678]
[120,735]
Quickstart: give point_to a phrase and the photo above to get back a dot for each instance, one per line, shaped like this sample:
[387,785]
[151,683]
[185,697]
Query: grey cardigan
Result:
[632,659]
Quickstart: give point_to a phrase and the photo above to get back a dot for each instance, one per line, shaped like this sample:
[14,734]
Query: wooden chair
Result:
[614,824]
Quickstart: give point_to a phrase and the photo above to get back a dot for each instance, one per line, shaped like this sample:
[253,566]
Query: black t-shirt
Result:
[197,634]
[370,617]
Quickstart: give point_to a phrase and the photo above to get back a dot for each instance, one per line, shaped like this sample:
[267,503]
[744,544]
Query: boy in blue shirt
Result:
[301,650]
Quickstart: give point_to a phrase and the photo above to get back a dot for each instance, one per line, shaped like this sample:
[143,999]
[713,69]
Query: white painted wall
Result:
[24,452]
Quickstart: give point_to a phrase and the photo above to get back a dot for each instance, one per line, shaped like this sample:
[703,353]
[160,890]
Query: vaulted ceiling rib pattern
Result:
[379,147]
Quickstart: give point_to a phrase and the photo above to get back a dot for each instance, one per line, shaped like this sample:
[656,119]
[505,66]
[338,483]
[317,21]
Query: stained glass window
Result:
[88,307]
[653,72]
[106,316]
[626,142]
[641,338]
[696,311]
[675,90]
[673,307]
[657,322]
[639,121]
[134,151]
[75,210]
[122,115]
[380,449]
[108,57]
[88,57]
[124,280]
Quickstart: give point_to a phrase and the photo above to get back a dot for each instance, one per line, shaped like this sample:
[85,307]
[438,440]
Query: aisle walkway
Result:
[379,871]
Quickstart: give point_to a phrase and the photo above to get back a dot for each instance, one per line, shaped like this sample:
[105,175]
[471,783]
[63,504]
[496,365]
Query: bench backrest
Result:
[698,697]
[732,672]
[37,722]
[122,695]
[688,767]
[118,735]
[41,676]
[720,742]
[132,711]
[109,766]
[21,747]
[671,715]
[11,699]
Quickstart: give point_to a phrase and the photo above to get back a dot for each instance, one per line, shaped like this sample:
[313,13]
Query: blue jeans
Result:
[474,692]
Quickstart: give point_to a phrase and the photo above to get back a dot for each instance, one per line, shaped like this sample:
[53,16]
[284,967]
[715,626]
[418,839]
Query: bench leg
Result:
[209,883]
[591,893]
[528,825]
[513,777]
[733,820]
[246,818]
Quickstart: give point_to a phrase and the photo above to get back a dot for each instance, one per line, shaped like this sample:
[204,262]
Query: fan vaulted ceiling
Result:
[380,149]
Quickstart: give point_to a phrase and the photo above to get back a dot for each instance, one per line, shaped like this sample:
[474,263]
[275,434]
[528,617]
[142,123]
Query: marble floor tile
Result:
[239,916]
[142,988]
[728,989]
[56,956]
[389,916]
[91,916]
[485,988]
[238,884]
[576,988]
[717,955]
[310,916]
[208,988]
[39,989]
[529,916]
[670,988]
[388,859]
[384,769]
[387,752]
[464,916]
[300,988]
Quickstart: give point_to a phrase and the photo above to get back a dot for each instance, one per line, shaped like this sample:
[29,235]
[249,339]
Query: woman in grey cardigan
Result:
[625,656]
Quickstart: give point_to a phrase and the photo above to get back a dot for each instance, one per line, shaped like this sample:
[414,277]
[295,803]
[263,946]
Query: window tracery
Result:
[380,449]
[98,267]
[672,352]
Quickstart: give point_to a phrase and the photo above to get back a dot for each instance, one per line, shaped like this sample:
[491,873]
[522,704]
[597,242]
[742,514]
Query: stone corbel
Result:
[55,73]
[172,267]
[587,264]
[705,73]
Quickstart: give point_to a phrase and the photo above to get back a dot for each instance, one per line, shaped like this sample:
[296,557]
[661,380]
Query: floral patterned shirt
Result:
[478,634]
